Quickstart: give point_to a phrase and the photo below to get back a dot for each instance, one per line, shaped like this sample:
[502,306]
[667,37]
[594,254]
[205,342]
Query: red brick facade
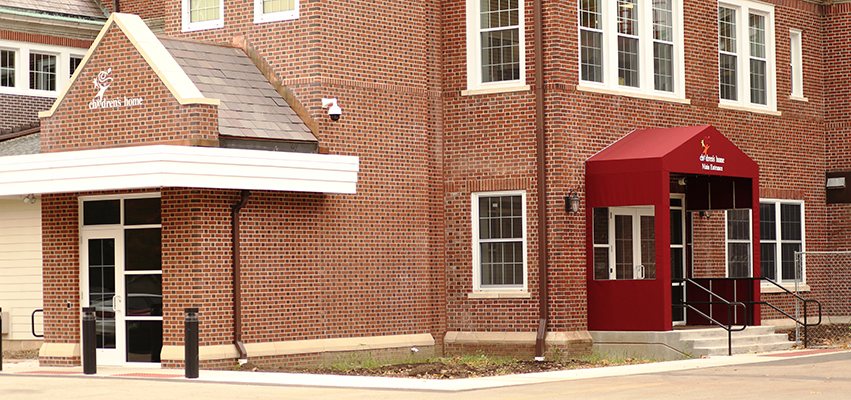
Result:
[396,258]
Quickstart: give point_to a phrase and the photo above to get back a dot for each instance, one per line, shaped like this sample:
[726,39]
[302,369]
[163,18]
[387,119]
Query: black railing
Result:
[730,304]
[803,301]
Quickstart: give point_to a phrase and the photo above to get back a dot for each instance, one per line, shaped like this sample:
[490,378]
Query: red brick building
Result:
[466,129]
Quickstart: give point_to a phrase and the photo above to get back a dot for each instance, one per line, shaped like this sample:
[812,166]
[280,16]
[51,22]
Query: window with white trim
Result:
[203,14]
[495,44]
[35,69]
[499,241]
[73,63]
[275,10]
[746,55]
[624,243]
[632,46]
[7,68]
[796,63]
[781,234]
[42,71]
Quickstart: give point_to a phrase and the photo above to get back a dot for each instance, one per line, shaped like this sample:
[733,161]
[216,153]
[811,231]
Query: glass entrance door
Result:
[121,277]
[678,260]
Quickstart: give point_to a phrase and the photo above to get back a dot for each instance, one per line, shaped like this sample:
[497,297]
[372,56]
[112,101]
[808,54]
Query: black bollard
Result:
[90,344]
[191,342]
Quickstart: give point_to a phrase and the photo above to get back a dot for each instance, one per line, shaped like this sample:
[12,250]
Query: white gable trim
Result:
[154,53]
[158,166]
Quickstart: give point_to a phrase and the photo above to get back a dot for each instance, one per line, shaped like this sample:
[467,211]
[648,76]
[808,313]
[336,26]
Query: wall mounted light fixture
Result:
[29,199]
[571,202]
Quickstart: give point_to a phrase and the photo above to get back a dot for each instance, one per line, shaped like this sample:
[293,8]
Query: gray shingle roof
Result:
[250,107]
[30,144]
[88,8]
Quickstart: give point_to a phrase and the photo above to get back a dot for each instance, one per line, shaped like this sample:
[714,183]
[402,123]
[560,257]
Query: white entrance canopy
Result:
[177,166]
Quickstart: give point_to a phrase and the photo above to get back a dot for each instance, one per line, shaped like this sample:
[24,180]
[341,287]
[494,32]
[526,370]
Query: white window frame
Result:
[476,248]
[189,26]
[474,54]
[778,240]
[22,66]
[609,31]
[636,212]
[743,10]
[261,17]
[797,64]
[748,241]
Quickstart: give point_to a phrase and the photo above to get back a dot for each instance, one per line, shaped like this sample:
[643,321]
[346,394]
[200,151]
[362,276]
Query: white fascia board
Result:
[177,166]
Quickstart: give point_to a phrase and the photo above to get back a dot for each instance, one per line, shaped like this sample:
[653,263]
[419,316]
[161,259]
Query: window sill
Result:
[507,89]
[799,98]
[774,289]
[276,17]
[499,295]
[630,94]
[203,26]
[749,109]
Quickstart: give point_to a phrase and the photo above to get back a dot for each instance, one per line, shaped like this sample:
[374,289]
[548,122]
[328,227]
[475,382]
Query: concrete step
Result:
[709,342]
[759,348]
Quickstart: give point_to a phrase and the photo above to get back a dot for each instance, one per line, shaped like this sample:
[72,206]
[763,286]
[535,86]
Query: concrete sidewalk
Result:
[31,368]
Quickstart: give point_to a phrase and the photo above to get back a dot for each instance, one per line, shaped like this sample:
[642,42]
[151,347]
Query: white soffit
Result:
[177,166]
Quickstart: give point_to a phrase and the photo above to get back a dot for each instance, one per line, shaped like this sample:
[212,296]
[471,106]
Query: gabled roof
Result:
[86,8]
[250,107]
[692,150]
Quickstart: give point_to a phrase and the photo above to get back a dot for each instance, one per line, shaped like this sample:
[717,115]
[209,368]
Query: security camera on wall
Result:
[334,111]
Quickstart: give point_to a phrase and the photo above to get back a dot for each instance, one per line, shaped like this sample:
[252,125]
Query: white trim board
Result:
[157,166]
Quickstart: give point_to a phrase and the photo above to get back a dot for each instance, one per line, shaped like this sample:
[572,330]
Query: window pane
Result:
[601,225]
[768,260]
[203,10]
[738,260]
[758,82]
[74,63]
[648,246]
[628,61]
[728,77]
[502,263]
[627,17]
[589,14]
[663,21]
[677,236]
[757,35]
[143,249]
[738,225]
[500,55]
[727,30]
[790,222]
[142,211]
[677,266]
[767,222]
[592,56]
[102,212]
[42,71]
[663,67]
[7,68]
[787,260]
[623,247]
[601,263]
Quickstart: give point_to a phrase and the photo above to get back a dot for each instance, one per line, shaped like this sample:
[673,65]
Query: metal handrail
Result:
[730,305]
[803,300]
[32,320]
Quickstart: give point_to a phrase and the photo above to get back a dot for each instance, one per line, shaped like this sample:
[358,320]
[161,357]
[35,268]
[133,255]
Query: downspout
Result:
[115,6]
[237,276]
[543,272]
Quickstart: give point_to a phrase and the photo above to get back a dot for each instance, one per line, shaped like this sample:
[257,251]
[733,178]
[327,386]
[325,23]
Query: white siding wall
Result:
[20,265]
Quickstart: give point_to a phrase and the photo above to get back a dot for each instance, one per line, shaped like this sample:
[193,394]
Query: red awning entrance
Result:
[634,173]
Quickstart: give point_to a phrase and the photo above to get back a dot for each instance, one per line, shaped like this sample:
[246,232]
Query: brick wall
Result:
[20,110]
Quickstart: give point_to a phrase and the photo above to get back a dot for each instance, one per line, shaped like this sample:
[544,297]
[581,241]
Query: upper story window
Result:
[499,241]
[495,44]
[7,68]
[42,71]
[796,64]
[632,46]
[746,55]
[34,69]
[275,10]
[203,14]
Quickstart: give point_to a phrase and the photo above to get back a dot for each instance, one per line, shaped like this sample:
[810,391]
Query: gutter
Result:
[237,276]
[51,16]
[543,247]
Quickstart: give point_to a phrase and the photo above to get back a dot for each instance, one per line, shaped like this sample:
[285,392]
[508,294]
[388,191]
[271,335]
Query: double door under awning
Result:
[635,173]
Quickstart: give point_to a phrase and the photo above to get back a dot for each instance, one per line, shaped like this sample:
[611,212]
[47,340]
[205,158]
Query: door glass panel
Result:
[102,212]
[677,267]
[623,247]
[601,263]
[102,289]
[144,300]
[144,295]
[142,211]
[143,249]
[144,340]
[677,236]
[648,246]
[677,296]
[601,225]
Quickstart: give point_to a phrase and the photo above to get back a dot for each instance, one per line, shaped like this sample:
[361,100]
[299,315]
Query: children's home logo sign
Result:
[102,82]
[710,162]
